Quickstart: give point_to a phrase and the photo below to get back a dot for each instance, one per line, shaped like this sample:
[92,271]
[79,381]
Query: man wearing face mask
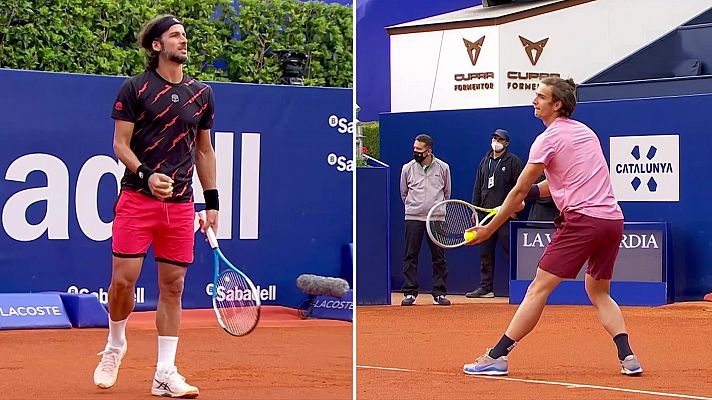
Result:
[497,174]
[425,181]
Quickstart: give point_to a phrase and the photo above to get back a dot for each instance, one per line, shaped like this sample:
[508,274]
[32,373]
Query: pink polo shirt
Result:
[576,169]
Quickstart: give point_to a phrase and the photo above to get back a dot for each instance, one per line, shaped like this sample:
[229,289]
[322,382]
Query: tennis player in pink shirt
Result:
[589,228]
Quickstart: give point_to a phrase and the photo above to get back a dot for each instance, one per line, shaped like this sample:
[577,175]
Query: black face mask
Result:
[419,156]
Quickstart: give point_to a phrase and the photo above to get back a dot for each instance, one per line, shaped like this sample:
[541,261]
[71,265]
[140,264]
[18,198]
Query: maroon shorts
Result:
[141,220]
[578,238]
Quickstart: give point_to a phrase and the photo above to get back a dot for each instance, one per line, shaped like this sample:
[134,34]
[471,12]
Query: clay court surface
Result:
[418,353]
[284,358]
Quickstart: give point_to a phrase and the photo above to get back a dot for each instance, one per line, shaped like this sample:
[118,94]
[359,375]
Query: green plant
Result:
[371,140]
[100,37]
[322,31]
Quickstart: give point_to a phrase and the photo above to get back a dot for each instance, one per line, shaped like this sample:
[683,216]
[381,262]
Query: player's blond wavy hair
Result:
[563,90]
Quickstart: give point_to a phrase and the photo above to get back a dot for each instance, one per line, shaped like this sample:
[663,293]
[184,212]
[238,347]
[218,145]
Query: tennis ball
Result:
[470,236]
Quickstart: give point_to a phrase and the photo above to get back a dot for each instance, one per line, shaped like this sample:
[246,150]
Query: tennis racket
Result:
[236,301]
[448,220]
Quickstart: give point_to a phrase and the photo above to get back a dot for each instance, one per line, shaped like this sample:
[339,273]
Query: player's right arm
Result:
[512,203]
[122,139]
[160,185]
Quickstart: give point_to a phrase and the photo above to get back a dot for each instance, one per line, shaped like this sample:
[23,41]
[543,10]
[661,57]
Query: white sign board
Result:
[497,65]
[646,168]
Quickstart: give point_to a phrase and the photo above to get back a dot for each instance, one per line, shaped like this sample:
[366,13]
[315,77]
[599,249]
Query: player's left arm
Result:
[206,167]
[544,188]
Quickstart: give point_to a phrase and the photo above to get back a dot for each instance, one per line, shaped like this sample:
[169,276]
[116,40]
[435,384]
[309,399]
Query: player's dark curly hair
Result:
[563,90]
[147,42]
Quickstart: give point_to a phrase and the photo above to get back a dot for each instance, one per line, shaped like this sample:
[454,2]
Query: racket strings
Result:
[237,303]
[449,221]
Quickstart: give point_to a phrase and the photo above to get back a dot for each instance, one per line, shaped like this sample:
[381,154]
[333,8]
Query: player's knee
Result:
[172,288]
[596,296]
[122,284]
[538,288]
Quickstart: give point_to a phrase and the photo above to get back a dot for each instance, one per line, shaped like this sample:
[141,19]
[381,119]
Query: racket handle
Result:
[212,239]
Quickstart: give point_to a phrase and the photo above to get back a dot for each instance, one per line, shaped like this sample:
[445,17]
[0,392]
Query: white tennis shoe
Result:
[170,383]
[108,369]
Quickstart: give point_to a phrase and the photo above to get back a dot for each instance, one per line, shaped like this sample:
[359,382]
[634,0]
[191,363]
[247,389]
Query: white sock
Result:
[167,346]
[117,333]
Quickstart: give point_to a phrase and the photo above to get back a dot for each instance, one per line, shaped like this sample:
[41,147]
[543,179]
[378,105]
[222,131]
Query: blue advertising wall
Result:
[373,268]
[57,144]
[462,138]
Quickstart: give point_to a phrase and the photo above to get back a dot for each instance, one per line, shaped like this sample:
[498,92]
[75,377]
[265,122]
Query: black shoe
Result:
[409,300]
[479,293]
[441,300]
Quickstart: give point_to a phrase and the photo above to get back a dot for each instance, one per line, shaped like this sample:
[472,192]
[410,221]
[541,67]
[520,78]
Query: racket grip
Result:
[212,239]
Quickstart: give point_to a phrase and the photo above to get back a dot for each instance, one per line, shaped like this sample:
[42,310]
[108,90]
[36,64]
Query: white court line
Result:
[568,385]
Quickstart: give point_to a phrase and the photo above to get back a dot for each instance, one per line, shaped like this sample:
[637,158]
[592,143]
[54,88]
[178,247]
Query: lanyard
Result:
[489,167]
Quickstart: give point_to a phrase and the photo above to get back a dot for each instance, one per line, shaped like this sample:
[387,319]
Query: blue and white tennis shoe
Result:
[486,365]
[631,366]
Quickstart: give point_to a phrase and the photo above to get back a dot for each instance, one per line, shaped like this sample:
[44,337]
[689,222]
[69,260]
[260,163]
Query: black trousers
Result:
[487,251]
[414,232]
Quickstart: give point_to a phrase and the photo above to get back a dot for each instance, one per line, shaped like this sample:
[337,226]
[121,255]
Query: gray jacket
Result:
[421,189]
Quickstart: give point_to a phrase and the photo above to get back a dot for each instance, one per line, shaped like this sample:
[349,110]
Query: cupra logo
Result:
[473,49]
[533,49]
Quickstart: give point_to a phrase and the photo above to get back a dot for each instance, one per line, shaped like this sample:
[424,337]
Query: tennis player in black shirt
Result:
[162,134]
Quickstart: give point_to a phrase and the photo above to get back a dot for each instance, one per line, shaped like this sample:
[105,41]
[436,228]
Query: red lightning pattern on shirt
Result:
[192,99]
[168,125]
[201,110]
[187,175]
[146,101]
[178,139]
[163,112]
[162,92]
[182,192]
[140,91]
[153,146]
[159,165]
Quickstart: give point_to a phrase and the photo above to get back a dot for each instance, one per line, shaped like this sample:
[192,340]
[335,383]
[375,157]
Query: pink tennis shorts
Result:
[578,238]
[141,220]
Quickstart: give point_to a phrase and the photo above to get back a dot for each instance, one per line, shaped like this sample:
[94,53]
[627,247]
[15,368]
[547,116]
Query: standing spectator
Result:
[424,181]
[497,174]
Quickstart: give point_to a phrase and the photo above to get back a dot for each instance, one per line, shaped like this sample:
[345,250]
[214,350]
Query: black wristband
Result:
[533,193]
[143,172]
[211,199]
